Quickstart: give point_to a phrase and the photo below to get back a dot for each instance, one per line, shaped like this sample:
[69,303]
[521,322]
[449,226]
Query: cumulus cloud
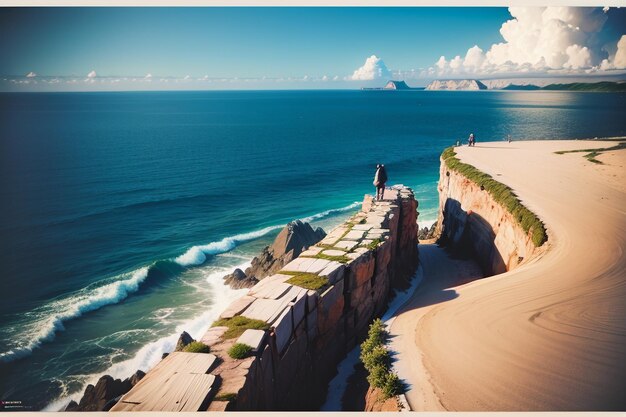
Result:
[31,75]
[543,40]
[373,69]
[92,74]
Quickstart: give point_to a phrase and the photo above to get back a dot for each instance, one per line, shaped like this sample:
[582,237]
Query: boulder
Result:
[293,239]
[105,394]
[238,279]
[184,339]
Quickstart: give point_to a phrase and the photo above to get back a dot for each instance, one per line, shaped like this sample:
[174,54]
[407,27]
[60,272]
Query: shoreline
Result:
[529,327]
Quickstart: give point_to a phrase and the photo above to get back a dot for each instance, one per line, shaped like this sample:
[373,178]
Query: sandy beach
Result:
[549,335]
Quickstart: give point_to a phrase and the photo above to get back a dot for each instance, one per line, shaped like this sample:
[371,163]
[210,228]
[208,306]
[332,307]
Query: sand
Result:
[549,335]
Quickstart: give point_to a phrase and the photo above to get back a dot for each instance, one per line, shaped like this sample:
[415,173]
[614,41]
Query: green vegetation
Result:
[374,244]
[239,351]
[227,396]
[239,324]
[306,280]
[592,153]
[377,361]
[340,258]
[603,86]
[363,221]
[502,194]
[197,347]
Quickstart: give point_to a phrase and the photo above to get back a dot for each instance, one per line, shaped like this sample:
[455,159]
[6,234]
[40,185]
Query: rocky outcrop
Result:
[456,85]
[317,308]
[105,393]
[292,240]
[396,85]
[427,233]
[471,221]
[183,340]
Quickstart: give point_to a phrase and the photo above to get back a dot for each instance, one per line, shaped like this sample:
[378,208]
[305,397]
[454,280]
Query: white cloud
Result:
[92,74]
[31,75]
[148,76]
[186,77]
[373,69]
[620,56]
[542,40]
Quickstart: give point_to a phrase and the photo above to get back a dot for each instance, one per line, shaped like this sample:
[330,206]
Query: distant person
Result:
[472,140]
[380,178]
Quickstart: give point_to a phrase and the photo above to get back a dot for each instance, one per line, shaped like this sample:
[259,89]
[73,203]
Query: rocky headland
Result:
[293,239]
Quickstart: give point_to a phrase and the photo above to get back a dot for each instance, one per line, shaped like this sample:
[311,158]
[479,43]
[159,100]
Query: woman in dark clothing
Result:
[380,178]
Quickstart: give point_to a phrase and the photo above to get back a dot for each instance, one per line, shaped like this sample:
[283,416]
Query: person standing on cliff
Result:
[380,178]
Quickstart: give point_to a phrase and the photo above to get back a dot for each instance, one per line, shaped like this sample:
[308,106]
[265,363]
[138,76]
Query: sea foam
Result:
[50,317]
[150,354]
[197,255]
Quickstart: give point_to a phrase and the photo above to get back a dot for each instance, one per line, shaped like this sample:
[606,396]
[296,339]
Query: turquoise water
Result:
[120,212]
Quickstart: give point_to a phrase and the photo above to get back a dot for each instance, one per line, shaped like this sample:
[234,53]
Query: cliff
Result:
[456,85]
[396,85]
[472,220]
[292,328]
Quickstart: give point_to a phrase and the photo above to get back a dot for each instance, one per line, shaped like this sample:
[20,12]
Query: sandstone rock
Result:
[184,339]
[105,393]
[238,279]
[293,239]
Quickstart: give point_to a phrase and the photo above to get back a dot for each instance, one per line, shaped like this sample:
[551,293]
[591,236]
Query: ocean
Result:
[120,212]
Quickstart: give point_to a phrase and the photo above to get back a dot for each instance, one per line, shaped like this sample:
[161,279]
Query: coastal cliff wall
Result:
[295,326]
[471,220]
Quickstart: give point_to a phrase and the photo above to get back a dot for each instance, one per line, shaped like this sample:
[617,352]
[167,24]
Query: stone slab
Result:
[333,252]
[237,306]
[334,271]
[253,338]
[299,265]
[364,227]
[267,281]
[318,266]
[354,235]
[311,251]
[346,244]
[283,328]
[266,310]
[213,335]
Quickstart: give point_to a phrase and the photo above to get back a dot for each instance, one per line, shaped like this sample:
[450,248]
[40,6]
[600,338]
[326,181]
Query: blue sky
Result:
[283,44]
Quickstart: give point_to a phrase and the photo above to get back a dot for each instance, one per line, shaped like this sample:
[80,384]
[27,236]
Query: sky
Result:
[291,47]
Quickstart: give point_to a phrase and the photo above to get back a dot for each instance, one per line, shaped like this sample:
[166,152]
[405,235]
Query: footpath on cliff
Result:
[547,335]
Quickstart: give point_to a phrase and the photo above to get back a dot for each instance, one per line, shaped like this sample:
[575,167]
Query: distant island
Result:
[456,85]
[604,86]
[504,85]
[393,85]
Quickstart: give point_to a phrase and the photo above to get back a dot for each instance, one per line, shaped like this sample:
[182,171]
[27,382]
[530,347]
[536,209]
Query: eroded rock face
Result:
[105,393]
[295,238]
[184,339]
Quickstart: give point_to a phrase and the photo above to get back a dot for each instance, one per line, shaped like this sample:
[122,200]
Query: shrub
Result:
[197,347]
[377,376]
[377,356]
[306,280]
[373,244]
[239,351]
[392,386]
[239,324]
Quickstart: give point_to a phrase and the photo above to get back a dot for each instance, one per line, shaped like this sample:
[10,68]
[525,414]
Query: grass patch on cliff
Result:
[197,347]
[377,361]
[592,153]
[239,351]
[337,258]
[306,280]
[374,244]
[502,194]
[227,396]
[239,324]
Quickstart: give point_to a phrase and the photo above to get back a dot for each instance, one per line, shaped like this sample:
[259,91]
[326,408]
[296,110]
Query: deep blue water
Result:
[120,212]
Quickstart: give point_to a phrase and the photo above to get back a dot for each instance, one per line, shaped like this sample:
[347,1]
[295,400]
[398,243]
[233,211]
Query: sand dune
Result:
[551,334]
